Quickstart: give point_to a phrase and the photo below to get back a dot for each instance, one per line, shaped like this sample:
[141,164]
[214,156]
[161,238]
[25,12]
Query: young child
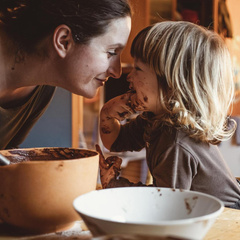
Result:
[182,84]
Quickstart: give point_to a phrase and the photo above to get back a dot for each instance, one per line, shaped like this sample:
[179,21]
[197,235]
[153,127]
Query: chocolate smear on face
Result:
[105,130]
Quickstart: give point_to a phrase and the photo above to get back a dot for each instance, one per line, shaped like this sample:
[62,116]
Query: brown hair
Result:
[29,21]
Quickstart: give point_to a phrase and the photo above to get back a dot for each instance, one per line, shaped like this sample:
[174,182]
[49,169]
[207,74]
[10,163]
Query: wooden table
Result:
[226,227]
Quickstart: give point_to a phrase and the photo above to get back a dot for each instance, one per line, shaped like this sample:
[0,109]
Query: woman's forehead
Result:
[116,34]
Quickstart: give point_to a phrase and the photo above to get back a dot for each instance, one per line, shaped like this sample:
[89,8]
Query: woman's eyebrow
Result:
[117,45]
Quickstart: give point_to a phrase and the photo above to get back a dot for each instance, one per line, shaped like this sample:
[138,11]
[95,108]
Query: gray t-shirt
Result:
[177,161]
[16,122]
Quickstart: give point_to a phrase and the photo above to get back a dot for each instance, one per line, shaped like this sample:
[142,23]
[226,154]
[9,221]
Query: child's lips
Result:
[130,103]
[132,91]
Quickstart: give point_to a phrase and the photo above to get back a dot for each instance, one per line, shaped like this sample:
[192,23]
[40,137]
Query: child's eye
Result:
[137,68]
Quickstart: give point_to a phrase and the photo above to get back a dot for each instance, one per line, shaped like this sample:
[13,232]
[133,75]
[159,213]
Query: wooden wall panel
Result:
[141,19]
[77,118]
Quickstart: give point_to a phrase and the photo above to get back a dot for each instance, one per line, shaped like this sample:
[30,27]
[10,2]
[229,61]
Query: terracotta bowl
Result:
[38,187]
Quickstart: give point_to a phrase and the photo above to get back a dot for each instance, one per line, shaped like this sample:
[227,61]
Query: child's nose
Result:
[129,78]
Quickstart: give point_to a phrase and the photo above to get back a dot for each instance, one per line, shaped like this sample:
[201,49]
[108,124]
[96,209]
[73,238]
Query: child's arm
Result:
[114,111]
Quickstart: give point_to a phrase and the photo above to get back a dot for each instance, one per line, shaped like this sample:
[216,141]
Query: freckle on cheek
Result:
[145,99]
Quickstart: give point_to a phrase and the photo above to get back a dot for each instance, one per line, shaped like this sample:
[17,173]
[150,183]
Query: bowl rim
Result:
[41,148]
[51,148]
[157,223]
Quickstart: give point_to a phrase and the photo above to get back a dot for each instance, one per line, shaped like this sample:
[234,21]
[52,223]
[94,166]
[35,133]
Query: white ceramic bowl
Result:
[150,211]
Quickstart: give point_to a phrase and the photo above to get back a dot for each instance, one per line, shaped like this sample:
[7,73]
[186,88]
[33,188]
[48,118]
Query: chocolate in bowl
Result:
[46,154]
[38,187]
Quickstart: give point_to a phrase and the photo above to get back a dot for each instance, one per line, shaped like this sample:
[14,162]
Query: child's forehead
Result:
[140,64]
[139,61]
[145,67]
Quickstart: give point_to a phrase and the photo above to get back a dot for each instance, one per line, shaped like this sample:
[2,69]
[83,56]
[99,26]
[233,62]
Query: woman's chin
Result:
[86,93]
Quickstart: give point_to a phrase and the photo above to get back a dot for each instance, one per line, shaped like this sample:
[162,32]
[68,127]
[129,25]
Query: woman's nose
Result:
[115,69]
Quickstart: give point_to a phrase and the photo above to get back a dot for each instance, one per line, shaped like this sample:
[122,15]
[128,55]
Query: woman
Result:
[73,44]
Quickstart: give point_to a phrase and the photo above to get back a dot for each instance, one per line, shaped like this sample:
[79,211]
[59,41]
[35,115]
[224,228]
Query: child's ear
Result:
[62,40]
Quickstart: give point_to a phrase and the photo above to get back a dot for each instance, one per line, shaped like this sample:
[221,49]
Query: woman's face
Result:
[144,81]
[92,64]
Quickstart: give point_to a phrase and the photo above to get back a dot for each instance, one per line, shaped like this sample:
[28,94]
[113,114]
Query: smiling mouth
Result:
[101,80]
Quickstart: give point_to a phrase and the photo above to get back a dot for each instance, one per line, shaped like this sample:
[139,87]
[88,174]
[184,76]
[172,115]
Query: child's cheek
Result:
[140,85]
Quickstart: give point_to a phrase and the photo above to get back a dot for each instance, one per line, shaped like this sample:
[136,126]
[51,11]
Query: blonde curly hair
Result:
[194,72]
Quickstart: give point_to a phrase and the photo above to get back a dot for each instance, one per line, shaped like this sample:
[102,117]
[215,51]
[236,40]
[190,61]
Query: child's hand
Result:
[136,103]
[120,107]
[109,168]
[114,111]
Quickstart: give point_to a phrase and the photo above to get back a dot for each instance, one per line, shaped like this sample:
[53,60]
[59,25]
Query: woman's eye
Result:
[112,54]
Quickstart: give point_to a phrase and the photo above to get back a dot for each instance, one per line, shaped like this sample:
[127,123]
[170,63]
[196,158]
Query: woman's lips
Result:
[102,81]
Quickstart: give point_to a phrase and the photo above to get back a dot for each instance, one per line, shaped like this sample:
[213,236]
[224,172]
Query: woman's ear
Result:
[62,40]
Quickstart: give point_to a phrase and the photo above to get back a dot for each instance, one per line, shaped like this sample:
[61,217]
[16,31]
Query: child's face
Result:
[144,81]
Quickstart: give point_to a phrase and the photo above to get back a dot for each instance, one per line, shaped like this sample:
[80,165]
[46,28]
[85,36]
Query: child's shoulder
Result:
[193,146]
